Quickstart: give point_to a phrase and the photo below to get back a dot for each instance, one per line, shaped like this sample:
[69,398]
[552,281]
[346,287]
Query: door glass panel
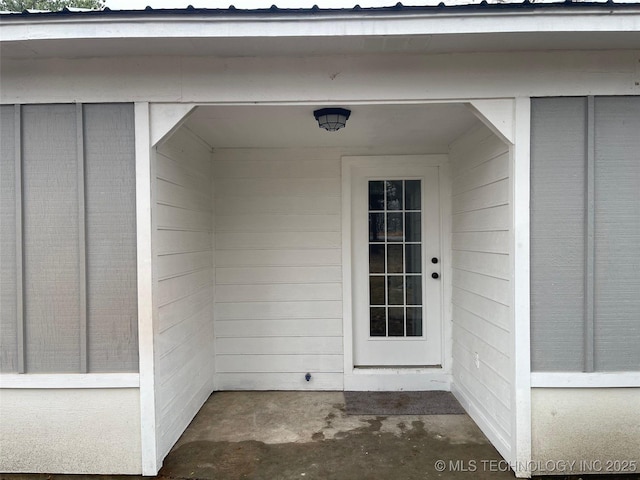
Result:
[376,227]
[376,258]
[412,195]
[394,195]
[377,292]
[395,231]
[413,258]
[414,322]
[396,290]
[376,195]
[395,258]
[412,227]
[396,322]
[414,290]
[378,323]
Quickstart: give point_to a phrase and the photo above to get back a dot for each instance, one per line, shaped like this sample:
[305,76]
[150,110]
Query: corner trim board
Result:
[520,250]
[144,227]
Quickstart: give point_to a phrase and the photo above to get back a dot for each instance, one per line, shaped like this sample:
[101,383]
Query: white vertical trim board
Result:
[144,202]
[347,291]
[446,276]
[521,352]
[214,381]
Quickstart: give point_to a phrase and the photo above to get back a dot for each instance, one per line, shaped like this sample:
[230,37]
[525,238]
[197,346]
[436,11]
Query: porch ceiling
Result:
[392,128]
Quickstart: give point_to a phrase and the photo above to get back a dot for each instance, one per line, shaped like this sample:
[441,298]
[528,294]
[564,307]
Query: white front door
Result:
[396,264]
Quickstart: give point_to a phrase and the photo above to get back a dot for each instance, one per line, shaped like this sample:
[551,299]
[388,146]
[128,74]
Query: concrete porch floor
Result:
[308,435]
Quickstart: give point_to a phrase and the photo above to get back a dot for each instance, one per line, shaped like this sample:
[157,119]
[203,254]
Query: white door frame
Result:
[437,378]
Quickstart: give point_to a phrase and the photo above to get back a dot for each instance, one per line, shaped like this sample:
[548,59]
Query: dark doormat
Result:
[402,403]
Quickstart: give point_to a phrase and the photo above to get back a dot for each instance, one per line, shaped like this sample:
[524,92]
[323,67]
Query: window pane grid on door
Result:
[395,258]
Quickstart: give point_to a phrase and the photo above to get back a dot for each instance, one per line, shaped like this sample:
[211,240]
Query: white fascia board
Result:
[180,26]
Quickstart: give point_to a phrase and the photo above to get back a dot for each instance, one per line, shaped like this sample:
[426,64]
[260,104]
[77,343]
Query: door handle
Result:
[434,260]
[435,276]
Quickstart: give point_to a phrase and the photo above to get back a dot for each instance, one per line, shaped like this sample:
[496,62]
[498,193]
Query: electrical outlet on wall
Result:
[476,359]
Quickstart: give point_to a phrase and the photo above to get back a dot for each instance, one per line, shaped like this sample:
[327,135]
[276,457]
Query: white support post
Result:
[520,198]
[144,228]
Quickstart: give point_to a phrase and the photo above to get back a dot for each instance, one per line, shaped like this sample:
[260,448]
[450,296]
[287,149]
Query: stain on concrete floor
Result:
[363,453]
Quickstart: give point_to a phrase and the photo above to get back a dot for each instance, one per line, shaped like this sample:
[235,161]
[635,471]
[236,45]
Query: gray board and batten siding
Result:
[585,234]
[68,239]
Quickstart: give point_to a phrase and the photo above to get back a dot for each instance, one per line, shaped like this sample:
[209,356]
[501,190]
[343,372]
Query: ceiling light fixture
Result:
[332,119]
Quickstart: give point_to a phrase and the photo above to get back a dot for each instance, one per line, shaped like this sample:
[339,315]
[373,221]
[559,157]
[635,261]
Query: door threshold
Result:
[396,367]
[397,379]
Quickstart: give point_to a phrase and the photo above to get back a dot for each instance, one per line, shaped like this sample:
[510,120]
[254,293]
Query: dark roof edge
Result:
[398,8]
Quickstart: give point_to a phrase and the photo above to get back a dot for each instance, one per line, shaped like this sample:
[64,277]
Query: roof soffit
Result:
[320,34]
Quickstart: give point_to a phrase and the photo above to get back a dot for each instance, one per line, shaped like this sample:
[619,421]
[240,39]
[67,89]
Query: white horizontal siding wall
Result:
[278,309]
[184,289]
[482,367]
